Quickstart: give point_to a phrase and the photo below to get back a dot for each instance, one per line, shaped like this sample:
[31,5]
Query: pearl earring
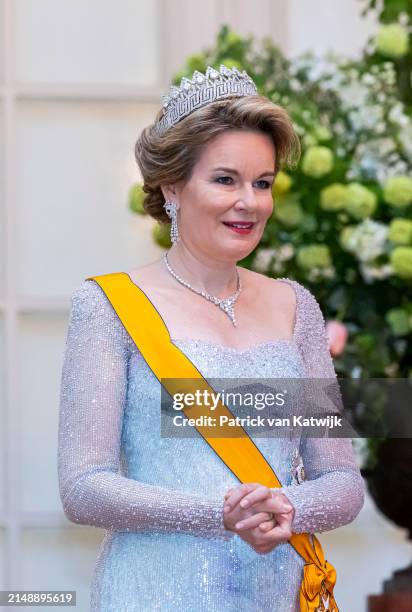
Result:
[171,211]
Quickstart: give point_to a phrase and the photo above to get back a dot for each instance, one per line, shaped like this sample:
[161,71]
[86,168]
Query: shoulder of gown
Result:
[93,394]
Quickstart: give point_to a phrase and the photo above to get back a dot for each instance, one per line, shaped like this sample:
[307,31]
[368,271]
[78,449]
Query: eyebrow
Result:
[233,171]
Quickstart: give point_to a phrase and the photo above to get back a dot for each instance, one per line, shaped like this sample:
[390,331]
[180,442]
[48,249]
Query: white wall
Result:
[327,25]
[78,81]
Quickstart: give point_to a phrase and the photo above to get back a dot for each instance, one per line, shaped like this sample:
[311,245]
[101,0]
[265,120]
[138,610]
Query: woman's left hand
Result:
[261,499]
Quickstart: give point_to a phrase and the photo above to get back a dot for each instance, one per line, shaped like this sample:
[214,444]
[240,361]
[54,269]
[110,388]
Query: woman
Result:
[208,163]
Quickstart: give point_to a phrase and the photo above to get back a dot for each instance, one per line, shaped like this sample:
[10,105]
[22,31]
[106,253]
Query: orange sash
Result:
[177,374]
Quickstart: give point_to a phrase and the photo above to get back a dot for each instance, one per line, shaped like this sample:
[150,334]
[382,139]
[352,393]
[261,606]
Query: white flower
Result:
[316,274]
[372,273]
[263,258]
[397,115]
[366,117]
[354,95]
[405,139]
[400,167]
[368,79]
[286,251]
[368,165]
[371,160]
[320,69]
[295,84]
[277,267]
[368,240]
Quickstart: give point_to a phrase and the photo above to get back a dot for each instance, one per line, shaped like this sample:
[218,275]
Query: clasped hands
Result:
[259,515]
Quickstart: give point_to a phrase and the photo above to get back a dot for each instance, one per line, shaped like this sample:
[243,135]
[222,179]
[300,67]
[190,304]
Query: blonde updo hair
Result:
[170,158]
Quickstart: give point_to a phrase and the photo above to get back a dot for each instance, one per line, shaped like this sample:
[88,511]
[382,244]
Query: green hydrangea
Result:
[282,183]
[161,235]
[397,191]
[400,231]
[401,260]
[309,140]
[317,161]
[233,39]
[230,63]
[360,202]
[333,197]
[136,198]
[196,62]
[398,320]
[178,77]
[289,213]
[313,256]
[345,237]
[322,133]
[392,40]
[232,45]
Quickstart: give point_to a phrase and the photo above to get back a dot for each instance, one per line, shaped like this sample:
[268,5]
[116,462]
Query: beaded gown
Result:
[160,500]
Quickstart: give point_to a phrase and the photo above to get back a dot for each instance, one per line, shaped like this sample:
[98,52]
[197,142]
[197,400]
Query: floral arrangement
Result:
[342,219]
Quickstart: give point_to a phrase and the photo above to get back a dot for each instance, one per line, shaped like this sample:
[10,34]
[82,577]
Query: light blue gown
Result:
[159,499]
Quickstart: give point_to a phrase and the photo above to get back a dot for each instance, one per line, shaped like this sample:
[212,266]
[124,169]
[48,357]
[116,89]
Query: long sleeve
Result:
[92,488]
[333,493]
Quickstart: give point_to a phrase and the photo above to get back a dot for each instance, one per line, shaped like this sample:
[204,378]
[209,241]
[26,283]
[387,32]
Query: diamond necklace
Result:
[226,304]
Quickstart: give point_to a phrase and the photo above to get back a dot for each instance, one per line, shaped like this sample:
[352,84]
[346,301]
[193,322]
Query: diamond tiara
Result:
[202,89]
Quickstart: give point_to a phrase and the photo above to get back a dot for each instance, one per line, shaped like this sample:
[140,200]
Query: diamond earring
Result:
[171,211]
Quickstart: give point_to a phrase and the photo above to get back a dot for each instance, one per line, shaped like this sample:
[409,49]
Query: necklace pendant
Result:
[229,310]
[227,305]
